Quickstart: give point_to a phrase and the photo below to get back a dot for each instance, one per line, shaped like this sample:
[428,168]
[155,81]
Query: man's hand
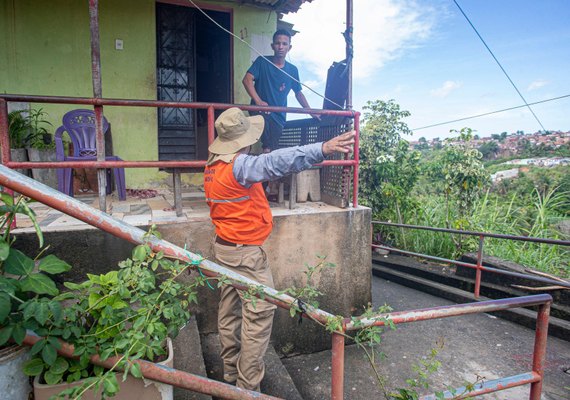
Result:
[262,103]
[339,144]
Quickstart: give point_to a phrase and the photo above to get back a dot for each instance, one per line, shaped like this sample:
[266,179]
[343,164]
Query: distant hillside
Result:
[505,145]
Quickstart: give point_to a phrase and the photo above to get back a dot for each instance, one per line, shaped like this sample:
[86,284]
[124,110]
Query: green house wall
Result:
[45,50]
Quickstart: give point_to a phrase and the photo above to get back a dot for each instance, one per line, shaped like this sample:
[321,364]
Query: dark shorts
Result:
[272,132]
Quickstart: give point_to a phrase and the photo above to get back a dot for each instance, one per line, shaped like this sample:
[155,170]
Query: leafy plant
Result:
[129,312]
[18,129]
[389,170]
[308,293]
[39,137]
[27,291]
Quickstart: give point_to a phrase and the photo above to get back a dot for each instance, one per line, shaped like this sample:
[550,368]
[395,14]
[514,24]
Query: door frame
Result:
[213,7]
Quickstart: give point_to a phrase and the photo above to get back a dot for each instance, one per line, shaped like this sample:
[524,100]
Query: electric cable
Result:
[261,55]
[492,112]
[499,64]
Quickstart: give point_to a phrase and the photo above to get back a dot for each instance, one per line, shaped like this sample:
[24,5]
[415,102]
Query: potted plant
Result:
[18,132]
[26,297]
[130,313]
[41,146]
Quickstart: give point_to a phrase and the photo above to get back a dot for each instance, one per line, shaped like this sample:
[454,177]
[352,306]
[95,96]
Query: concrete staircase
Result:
[188,357]
[444,283]
[477,343]
[200,355]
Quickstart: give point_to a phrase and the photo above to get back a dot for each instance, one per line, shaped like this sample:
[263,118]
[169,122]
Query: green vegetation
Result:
[30,128]
[449,187]
[126,313]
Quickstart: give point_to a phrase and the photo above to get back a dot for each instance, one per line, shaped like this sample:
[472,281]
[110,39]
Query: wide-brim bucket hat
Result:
[236,131]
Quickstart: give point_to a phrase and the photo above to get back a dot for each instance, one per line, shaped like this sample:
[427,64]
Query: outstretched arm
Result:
[305,104]
[271,166]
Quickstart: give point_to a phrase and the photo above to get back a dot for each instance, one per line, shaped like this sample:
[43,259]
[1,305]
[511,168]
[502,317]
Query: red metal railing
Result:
[535,377]
[28,187]
[479,267]
[98,103]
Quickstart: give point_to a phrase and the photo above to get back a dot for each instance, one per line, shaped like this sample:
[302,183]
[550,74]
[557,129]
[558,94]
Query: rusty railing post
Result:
[211,120]
[539,353]
[337,375]
[4,131]
[356,160]
[98,93]
[479,265]
[5,144]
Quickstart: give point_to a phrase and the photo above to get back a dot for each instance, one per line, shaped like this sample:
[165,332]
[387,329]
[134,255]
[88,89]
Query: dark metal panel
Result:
[176,81]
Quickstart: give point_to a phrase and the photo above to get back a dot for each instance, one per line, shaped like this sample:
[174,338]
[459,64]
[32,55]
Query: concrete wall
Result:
[342,235]
[45,50]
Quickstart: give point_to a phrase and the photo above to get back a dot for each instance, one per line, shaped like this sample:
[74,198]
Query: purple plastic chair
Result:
[80,126]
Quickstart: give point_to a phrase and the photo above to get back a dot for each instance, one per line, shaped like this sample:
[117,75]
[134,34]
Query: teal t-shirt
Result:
[272,85]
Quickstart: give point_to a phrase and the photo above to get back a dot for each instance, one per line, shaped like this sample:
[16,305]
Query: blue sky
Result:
[425,56]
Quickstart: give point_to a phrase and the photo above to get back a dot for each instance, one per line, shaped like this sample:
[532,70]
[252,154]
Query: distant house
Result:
[150,49]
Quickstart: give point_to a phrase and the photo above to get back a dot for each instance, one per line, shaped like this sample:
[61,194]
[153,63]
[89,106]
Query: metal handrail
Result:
[98,103]
[476,233]
[479,267]
[51,197]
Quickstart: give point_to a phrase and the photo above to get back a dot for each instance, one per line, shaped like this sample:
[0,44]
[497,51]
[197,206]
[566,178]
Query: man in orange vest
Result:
[243,220]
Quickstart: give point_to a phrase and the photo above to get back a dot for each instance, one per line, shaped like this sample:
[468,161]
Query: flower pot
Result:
[131,388]
[14,384]
[20,155]
[45,176]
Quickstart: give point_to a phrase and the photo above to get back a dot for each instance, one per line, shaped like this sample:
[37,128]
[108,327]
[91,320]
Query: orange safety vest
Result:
[241,215]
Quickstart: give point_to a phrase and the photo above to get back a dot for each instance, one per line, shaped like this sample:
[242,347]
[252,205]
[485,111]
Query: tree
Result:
[422,144]
[464,179]
[389,170]
[437,143]
[489,149]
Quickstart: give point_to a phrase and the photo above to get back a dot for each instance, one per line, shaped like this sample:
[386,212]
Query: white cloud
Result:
[537,84]
[446,89]
[383,31]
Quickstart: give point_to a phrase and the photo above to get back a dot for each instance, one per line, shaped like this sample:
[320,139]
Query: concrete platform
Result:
[300,235]
[478,344]
[145,207]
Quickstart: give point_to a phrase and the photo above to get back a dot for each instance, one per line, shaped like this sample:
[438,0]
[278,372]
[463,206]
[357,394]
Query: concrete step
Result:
[277,381]
[557,327]
[188,358]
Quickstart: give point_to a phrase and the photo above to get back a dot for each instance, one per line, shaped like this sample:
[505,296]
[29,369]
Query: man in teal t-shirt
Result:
[267,85]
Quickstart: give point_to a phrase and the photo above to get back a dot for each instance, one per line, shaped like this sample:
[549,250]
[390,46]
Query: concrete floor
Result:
[473,345]
[139,211]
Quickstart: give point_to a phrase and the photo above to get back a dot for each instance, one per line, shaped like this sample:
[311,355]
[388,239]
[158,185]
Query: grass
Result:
[535,217]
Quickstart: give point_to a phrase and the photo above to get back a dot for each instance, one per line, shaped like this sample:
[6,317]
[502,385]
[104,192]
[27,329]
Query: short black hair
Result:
[283,32]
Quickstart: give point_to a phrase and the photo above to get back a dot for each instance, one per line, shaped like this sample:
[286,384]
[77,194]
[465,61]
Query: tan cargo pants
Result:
[244,328]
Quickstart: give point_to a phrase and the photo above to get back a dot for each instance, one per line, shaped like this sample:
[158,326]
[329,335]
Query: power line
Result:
[261,55]
[493,112]
[500,66]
